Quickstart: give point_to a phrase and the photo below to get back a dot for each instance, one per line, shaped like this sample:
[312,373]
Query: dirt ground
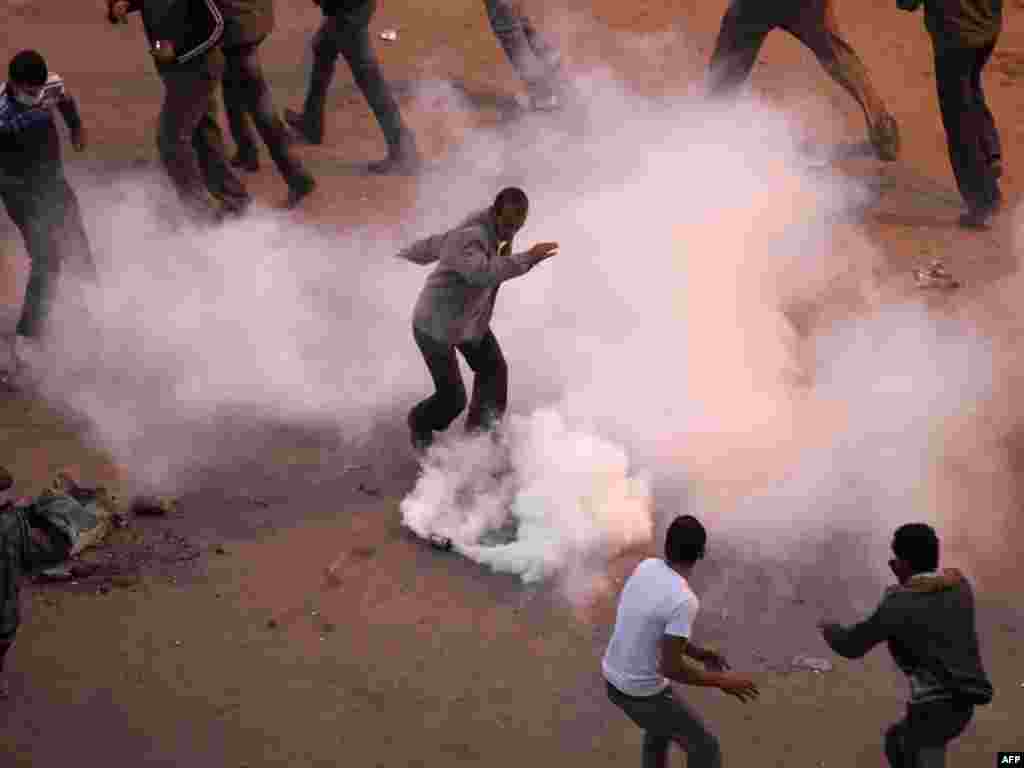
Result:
[208,638]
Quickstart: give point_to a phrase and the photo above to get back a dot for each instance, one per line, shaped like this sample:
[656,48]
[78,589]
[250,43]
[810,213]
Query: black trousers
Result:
[191,143]
[971,133]
[920,739]
[48,216]
[247,95]
[490,384]
[347,34]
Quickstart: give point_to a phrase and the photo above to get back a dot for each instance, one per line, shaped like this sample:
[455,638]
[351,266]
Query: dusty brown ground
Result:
[419,659]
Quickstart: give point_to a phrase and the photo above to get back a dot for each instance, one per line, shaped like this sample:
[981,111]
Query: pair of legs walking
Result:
[490,386]
[347,34]
[191,144]
[533,56]
[975,150]
[665,718]
[921,738]
[247,95]
[746,25]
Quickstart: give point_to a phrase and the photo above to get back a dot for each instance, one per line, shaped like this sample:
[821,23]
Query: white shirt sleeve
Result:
[680,621]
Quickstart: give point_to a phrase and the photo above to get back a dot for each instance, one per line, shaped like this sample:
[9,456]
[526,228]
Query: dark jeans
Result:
[531,55]
[348,35]
[746,24]
[971,133]
[920,739]
[191,144]
[50,221]
[490,384]
[246,94]
[665,718]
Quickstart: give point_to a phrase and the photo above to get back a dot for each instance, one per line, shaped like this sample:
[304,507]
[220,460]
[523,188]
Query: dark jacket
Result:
[246,21]
[928,624]
[29,140]
[959,23]
[343,7]
[194,27]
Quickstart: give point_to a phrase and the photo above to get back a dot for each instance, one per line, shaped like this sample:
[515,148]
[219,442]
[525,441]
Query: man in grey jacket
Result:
[454,312]
[947,679]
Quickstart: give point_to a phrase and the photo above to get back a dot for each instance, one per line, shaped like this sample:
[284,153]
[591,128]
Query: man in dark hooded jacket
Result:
[928,623]
[185,38]
[247,23]
[964,34]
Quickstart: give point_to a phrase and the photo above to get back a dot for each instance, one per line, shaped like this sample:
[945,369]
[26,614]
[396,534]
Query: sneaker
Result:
[247,161]
[298,123]
[885,138]
[299,190]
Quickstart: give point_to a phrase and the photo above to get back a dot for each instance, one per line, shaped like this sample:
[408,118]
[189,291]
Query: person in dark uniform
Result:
[34,189]
[747,23]
[344,31]
[185,37]
[964,34]
[247,95]
[529,52]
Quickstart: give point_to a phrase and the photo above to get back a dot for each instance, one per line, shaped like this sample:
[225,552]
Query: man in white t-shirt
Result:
[647,649]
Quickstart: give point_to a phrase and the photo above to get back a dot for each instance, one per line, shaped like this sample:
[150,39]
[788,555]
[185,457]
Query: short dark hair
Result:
[28,68]
[918,545]
[685,540]
[6,479]
[511,196]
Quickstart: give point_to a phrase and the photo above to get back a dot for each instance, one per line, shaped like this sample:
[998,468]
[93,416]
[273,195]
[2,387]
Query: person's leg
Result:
[490,383]
[236,108]
[992,146]
[930,728]
[309,122]
[41,232]
[254,93]
[186,102]
[437,412]
[817,28]
[353,40]
[895,745]
[963,121]
[510,27]
[208,141]
[665,718]
[740,38]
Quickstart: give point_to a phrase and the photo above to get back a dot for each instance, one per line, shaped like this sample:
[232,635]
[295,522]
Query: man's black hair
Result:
[685,540]
[513,196]
[6,479]
[918,545]
[28,68]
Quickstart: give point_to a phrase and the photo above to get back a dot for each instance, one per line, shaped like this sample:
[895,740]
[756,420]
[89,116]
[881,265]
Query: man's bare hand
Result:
[117,12]
[742,688]
[542,251]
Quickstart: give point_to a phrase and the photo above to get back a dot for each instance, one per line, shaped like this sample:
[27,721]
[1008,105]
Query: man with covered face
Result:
[454,313]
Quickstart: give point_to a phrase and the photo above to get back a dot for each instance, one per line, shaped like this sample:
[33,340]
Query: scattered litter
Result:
[369,490]
[935,276]
[812,663]
[389,34]
[353,467]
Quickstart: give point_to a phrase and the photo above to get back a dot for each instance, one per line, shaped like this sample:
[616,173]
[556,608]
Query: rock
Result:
[271,624]
[152,506]
[219,550]
[369,490]
[812,663]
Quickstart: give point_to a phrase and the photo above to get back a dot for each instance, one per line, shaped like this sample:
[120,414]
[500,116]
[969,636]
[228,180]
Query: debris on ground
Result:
[153,506]
[936,276]
[389,34]
[812,663]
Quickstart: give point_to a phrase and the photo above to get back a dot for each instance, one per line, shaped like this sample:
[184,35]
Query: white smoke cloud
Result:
[659,344]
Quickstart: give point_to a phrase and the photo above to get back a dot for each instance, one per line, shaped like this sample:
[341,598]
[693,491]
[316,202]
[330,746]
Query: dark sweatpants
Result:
[665,718]
[920,739]
[490,384]
[191,144]
[49,218]
[971,133]
[247,95]
[347,34]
